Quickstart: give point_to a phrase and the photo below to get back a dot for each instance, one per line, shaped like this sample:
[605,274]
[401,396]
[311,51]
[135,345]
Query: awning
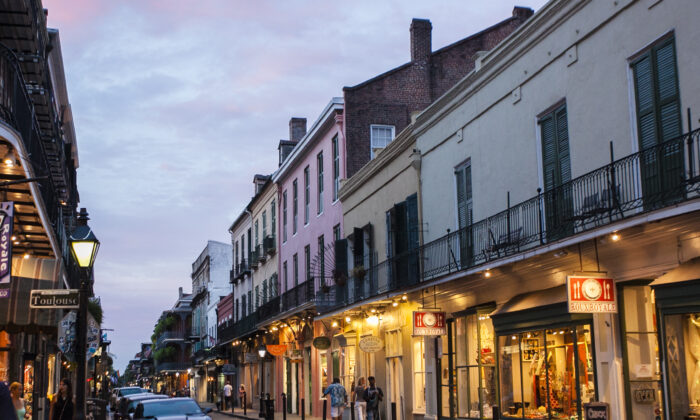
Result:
[27,275]
[678,291]
[540,309]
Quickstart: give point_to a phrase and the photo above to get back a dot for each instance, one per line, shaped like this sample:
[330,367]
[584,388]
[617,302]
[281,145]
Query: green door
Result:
[336,364]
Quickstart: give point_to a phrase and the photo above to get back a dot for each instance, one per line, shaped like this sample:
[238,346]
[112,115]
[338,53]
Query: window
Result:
[322,255]
[295,207]
[236,318]
[307,195]
[257,296]
[244,307]
[250,301]
[463,177]
[402,240]
[307,262]
[273,221]
[264,291]
[380,137]
[551,369]
[284,216]
[418,344]
[336,232]
[256,234]
[319,163]
[295,267]
[264,223]
[336,168]
[235,255]
[285,276]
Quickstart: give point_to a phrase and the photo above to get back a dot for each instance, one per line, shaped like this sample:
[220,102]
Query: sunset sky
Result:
[177,104]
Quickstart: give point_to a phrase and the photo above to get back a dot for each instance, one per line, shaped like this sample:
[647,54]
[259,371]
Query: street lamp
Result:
[83,247]
[262,351]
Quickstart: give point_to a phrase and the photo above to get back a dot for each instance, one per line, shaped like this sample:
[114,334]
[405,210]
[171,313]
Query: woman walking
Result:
[358,397]
[18,402]
[62,404]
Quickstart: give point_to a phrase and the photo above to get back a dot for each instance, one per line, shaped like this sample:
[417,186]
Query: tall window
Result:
[257,297]
[380,137]
[336,232]
[295,207]
[319,163]
[256,234]
[235,254]
[244,307]
[273,221]
[418,373]
[336,168]
[264,223]
[250,301]
[322,254]
[285,276]
[295,267]
[463,176]
[307,195]
[284,216]
[307,262]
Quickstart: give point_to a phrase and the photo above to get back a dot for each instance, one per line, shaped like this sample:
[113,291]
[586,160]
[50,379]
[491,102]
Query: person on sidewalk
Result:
[358,398]
[373,395]
[338,398]
[241,396]
[228,390]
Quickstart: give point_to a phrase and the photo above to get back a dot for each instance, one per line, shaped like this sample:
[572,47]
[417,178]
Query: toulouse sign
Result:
[54,299]
[591,294]
[7,209]
[429,323]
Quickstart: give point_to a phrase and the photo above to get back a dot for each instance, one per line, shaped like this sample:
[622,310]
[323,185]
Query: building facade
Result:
[172,348]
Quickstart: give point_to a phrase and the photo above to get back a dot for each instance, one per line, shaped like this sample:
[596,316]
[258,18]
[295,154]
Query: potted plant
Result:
[340,277]
[359,272]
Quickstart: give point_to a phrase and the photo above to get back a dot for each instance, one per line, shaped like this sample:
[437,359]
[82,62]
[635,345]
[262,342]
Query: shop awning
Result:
[27,275]
[678,291]
[540,309]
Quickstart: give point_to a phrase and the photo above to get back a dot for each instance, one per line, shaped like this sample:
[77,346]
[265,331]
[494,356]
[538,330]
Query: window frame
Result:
[319,168]
[392,128]
[336,167]
[295,206]
[307,194]
[284,216]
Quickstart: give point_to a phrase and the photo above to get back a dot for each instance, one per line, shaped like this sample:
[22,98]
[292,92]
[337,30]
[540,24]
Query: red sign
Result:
[277,349]
[429,323]
[590,294]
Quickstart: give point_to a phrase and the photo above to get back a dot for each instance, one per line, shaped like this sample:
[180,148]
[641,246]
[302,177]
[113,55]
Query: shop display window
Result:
[642,365]
[418,374]
[347,377]
[28,381]
[475,366]
[323,357]
[547,374]
[682,348]
[4,356]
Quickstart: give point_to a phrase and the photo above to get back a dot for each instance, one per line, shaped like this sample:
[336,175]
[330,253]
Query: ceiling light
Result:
[334,324]
[615,236]
[348,319]
[487,273]
[561,253]
[404,297]
[26,256]
[394,304]
[373,310]
[14,238]
[9,159]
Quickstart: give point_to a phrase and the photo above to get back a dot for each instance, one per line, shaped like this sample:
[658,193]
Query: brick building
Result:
[379,108]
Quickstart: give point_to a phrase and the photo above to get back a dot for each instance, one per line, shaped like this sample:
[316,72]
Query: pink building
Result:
[310,220]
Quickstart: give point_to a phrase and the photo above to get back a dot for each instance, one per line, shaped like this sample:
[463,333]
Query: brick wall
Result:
[390,98]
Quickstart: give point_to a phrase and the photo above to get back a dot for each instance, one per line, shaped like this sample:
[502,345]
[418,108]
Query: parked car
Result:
[121,392]
[171,409]
[127,405]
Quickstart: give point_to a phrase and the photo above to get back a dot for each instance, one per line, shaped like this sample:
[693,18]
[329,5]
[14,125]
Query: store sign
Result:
[371,344]
[429,323]
[596,411]
[250,358]
[295,356]
[7,209]
[645,395]
[590,294]
[322,343]
[54,299]
[277,349]
[67,335]
[228,369]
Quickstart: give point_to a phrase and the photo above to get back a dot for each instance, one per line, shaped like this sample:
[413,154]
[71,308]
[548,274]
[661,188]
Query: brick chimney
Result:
[421,43]
[297,128]
[523,13]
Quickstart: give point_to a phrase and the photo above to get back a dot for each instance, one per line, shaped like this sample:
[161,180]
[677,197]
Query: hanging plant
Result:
[359,272]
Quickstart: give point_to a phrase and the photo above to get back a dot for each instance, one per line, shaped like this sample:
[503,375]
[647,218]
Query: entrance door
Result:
[395,369]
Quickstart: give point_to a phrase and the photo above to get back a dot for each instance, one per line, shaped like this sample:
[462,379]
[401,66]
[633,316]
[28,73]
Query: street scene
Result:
[395,210]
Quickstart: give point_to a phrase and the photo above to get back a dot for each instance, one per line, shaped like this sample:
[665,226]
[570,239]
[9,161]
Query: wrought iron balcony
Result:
[172,366]
[269,308]
[661,176]
[269,245]
[298,295]
[241,269]
[171,336]
[255,258]
[246,325]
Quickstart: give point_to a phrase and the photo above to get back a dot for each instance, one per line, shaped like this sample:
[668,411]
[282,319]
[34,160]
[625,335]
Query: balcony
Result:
[297,296]
[661,176]
[246,325]
[241,269]
[171,336]
[254,258]
[269,309]
[269,245]
[262,256]
[172,366]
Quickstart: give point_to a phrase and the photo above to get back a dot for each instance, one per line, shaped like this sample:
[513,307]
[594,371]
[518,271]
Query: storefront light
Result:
[348,319]
[615,236]
[334,324]
[404,297]
[487,273]
[373,310]
[373,320]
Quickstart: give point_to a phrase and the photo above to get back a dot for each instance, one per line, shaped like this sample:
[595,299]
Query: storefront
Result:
[660,327]
[546,357]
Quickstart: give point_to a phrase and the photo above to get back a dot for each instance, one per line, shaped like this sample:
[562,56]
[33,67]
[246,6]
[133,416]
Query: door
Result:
[396,400]
[556,171]
[659,121]
[465,216]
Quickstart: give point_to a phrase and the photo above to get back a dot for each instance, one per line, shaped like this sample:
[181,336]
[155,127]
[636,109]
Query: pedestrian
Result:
[358,397]
[228,391]
[241,396]
[7,410]
[338,398]
[18,402]
[373,395]
[62,402]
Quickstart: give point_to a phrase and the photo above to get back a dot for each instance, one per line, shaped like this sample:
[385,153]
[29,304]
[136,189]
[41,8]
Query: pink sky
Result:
[178,103]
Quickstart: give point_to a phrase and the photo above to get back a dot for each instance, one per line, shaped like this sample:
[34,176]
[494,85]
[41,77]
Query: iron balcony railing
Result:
[255,257]
[243,327]
[660,176]
[269,308]
[242,269]
[172,366]
[165,336]
[298,295]
[269,245]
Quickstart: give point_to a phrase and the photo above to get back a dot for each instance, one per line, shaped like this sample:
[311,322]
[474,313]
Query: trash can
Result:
[98,408]
[269,408]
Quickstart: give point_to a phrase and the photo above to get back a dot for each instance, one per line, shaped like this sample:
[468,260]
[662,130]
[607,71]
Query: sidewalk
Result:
[252,414]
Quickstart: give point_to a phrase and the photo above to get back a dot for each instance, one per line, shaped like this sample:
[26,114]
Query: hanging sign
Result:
[322,343]
[7,209]
[276,349]
[591,294]
[250,358]
[66,335]
[295,356]
[371,344]
[429,323]
[596,411]
[93,336]
[55,299]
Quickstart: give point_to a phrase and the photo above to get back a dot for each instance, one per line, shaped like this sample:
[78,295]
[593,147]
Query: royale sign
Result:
[7,209]
[54,299]
[429,323]
[371,344]
[277,349]
[591,294]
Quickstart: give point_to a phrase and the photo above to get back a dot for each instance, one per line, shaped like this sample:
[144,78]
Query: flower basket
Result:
[359,272]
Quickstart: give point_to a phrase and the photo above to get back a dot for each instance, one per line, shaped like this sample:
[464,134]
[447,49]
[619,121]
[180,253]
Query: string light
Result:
[615,236]
[487,273]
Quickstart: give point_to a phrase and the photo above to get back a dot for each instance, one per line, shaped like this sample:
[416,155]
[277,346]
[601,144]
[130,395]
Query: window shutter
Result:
[400,228]
[644,87]
[464,195]
[341,256]
[669,107]
[549,153]
[563,146]
[389,233]
[358,245]
[412,218]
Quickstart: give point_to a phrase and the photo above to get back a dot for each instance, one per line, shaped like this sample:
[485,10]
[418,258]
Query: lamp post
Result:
[262,351]
[83,246]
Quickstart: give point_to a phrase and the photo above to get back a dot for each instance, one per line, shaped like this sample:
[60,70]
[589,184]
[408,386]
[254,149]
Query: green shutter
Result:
[669,106]
[549,152]
[563,157]
[412,218]
[464,196]
[341,256]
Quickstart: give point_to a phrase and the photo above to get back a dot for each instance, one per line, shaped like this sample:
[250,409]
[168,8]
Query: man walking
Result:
[228,389]
[338,398]
[373,395]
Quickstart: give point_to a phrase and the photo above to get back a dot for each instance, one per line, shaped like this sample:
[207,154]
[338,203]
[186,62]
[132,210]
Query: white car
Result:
[120,392]
[171,409]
